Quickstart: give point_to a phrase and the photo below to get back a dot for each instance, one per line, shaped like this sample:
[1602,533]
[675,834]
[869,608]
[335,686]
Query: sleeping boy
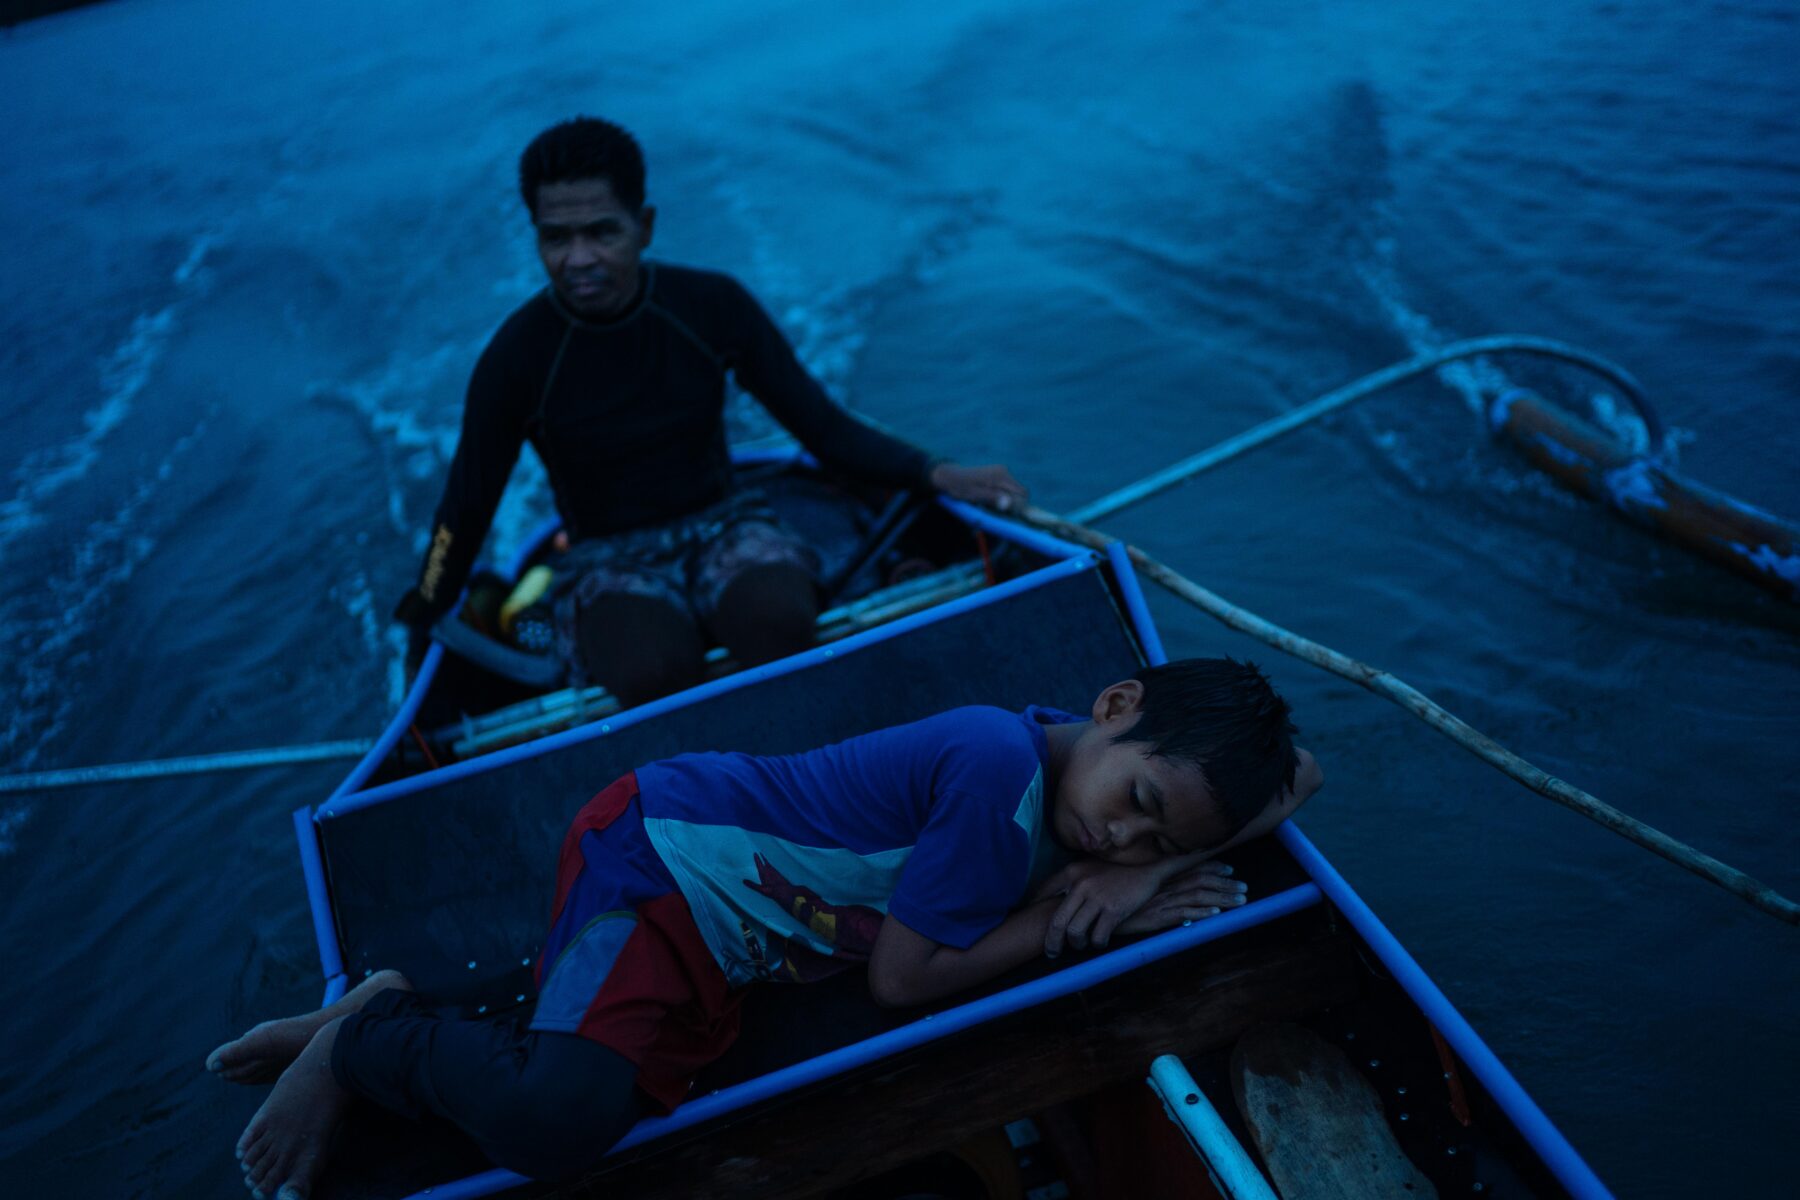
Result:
[940,854]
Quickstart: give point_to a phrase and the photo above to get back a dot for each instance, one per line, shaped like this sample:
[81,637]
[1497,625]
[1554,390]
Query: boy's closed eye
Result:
[1165,845]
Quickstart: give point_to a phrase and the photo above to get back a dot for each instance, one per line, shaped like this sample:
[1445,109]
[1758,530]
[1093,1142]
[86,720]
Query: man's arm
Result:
[768,369]
[488,447]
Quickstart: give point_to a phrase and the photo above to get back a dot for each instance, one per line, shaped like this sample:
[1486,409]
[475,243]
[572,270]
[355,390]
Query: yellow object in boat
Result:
[530,589]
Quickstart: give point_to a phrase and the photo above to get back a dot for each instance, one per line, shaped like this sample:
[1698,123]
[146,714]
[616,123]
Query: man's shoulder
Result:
[685,277]
[696,292]
[518,353]
[525,329]
[532,317]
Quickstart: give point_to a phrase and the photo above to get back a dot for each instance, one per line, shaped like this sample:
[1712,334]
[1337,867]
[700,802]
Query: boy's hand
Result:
[1199,892]
[1100,899]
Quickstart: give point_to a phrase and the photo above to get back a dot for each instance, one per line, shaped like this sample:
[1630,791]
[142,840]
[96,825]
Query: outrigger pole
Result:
[1434,715]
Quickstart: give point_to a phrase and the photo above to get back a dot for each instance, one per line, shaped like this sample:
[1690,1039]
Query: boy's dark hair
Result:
[584,148]
[1226,718]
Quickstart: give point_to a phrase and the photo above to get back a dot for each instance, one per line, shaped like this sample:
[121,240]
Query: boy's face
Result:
[1117,802]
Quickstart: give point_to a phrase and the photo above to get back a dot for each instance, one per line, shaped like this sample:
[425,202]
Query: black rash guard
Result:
[628,417]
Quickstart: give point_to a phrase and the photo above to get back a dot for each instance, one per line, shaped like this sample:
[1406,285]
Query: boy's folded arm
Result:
[1108,897]
[906,967]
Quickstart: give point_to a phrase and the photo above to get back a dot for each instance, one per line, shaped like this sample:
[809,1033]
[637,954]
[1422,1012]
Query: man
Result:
[616,375]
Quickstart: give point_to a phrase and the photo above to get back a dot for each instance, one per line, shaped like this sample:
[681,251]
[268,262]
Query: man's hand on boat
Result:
[1101,898]
[991,485]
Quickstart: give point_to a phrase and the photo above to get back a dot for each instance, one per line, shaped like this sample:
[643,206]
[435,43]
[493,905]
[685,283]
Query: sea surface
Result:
[251,253]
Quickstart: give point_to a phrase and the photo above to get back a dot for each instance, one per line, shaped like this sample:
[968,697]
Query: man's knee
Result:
[767,612]
[639,647]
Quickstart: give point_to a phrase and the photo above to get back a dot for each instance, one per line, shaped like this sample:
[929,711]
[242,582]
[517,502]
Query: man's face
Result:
[1116,802]
[590,245]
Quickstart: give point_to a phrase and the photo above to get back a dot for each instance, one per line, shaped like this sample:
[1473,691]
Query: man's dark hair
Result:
[1224,717]
[584,148]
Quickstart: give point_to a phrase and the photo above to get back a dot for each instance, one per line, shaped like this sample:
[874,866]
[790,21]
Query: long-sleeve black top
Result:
[628,417]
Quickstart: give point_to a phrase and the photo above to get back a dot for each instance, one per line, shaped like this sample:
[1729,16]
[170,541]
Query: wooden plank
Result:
[938,1095]
[1318,1124]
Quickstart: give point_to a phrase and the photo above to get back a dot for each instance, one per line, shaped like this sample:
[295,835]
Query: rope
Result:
[1440,719]
[197,764]
[1367,386]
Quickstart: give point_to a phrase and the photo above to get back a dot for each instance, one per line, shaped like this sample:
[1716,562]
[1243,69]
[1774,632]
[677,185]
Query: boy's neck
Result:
[1061,739]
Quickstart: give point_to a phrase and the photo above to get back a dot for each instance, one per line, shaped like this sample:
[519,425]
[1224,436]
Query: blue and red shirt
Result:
[789,863]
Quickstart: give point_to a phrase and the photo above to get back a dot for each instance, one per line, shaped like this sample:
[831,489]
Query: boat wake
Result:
[124,373]
[402,404]
[1473,379]
[45,630]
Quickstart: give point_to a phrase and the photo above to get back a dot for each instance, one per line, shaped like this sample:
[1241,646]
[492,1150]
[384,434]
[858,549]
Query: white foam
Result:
[394,399]
[1471,378]
[359,603]
[11,821]
[124,373]
[1474,379]
[44,644]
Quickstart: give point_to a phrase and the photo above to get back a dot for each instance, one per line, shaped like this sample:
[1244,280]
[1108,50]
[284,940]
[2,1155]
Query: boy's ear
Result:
[1120,702]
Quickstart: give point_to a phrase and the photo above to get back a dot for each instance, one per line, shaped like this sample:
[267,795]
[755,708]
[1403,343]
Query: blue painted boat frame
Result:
[1558,1155]
[1552,1147]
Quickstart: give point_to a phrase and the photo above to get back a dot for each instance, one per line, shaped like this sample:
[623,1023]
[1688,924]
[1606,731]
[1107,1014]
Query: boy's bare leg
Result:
[261,1054]
[284,1146]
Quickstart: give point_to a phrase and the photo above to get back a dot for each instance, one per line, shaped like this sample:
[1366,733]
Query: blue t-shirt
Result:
[789,863]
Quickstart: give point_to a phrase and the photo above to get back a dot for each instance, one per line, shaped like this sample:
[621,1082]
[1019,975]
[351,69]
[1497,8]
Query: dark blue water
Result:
[251,255]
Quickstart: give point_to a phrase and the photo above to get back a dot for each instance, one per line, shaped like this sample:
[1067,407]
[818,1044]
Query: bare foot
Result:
[262,1054]
[284,1146]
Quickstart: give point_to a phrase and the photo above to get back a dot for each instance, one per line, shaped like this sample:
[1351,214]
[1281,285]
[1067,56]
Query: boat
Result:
[440,867]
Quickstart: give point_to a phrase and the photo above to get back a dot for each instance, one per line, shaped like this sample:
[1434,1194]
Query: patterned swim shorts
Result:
[687,562]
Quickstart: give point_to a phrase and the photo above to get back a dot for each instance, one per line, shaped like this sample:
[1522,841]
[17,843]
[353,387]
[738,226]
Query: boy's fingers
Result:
[1223,897]
[1081,925]
[1076,934]
[1104,925]
[1207,883]
[1208,869]
[1059,924]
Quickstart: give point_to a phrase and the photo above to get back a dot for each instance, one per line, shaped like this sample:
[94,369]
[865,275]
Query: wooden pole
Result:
[1434,715]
